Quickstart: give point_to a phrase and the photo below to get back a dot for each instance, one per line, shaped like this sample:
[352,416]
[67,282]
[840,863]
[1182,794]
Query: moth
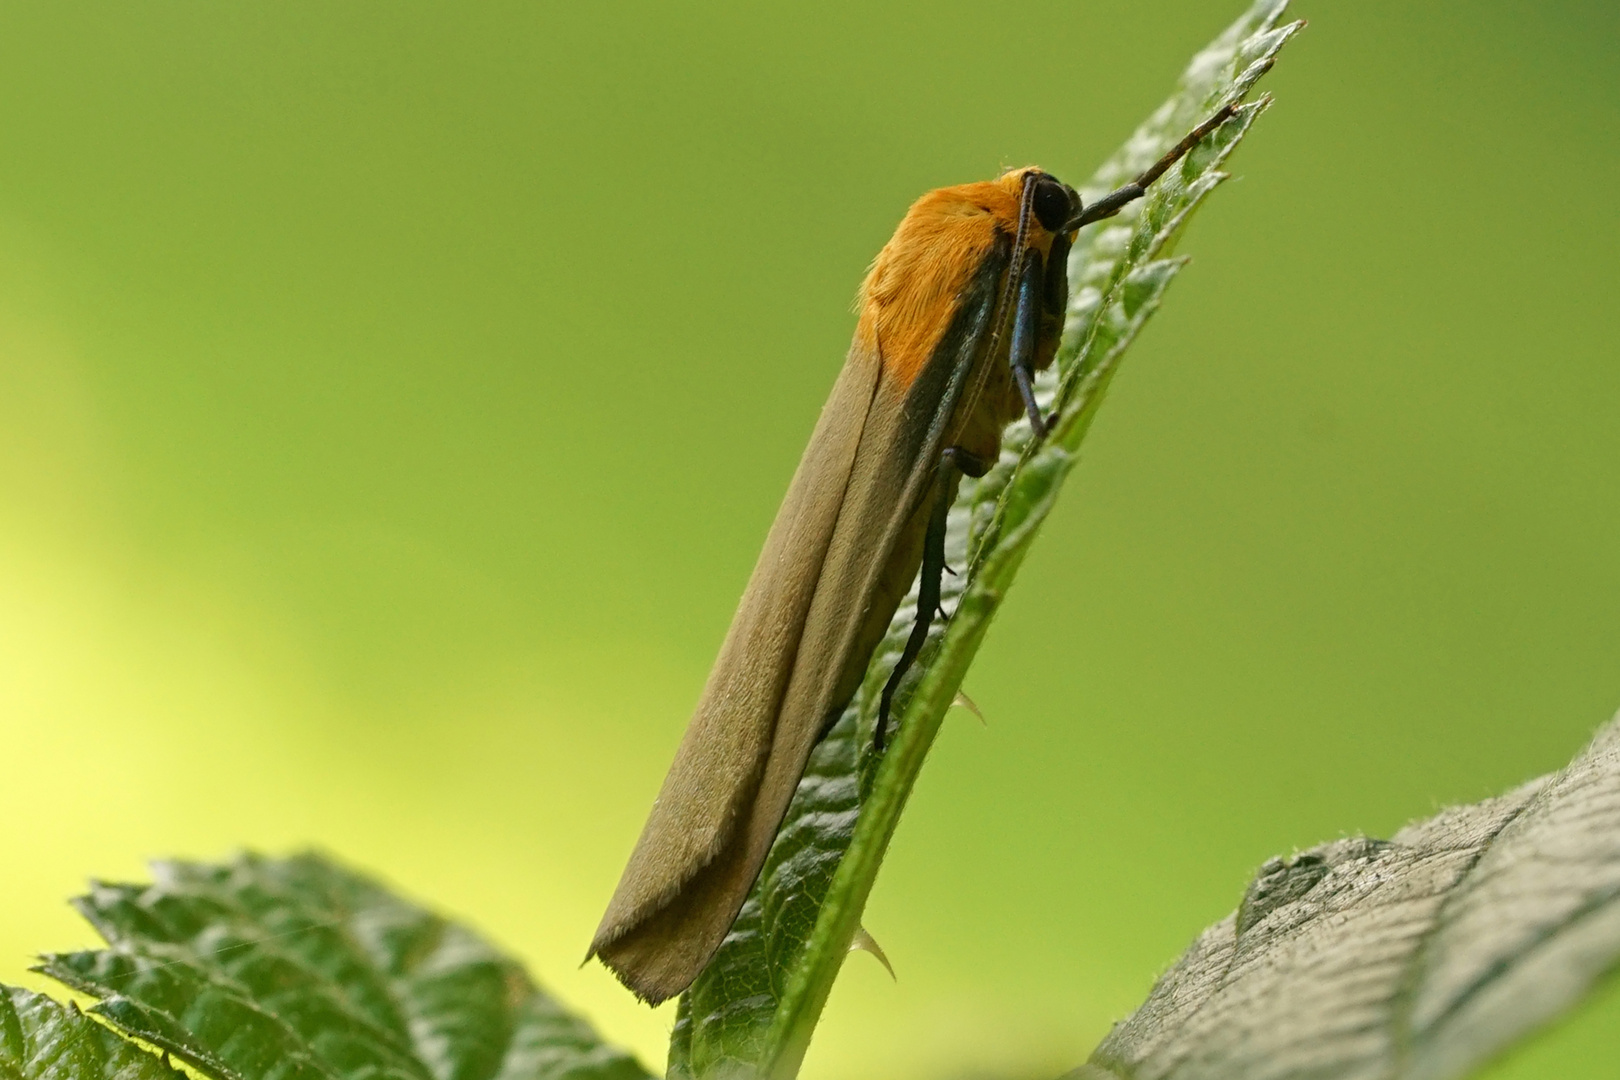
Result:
[958,311]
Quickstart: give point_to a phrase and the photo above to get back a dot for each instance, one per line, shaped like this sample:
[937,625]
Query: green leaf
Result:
[41,1039]
[267,969]
[753,1009]
[1416,958]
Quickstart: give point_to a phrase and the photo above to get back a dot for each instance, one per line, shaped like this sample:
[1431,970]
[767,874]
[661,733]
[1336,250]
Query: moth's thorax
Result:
[917,280]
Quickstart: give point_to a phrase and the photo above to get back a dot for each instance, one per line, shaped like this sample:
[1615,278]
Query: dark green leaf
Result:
[755,1006]
[265,969]
[41,1039]
[1413,959]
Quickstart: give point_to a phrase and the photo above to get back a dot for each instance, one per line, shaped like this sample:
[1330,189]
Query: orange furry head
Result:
[915,283]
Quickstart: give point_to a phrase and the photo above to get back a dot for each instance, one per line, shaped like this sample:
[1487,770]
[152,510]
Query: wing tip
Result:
[650,986]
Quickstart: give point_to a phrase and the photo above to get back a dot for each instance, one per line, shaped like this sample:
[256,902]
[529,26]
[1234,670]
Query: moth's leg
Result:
[1114,201]
[1026,326]
[933,568]
[1057,275]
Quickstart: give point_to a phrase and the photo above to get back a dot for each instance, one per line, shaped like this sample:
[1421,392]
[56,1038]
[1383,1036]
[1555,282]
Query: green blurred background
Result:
[393,399]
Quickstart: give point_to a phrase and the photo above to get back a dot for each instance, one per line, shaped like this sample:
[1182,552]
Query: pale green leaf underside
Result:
[753,1009]
[41,1039]
[273,969]
[1416,958]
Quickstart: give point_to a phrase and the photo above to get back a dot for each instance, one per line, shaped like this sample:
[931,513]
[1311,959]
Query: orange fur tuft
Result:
[910,294]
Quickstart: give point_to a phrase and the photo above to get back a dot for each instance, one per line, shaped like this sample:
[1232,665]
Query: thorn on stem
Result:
[865,942]
[966,702]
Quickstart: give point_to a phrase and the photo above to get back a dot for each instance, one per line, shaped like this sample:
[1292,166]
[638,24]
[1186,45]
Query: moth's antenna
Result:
[1016,263]
[1116,200]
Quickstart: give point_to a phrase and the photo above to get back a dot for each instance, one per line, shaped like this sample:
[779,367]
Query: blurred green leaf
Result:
[754,1008]
[41,1039]
[1416,958]
[265,969]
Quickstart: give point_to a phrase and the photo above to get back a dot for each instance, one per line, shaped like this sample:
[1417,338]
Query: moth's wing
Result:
[722,756]
[873,556]
[877,545]
[825,588]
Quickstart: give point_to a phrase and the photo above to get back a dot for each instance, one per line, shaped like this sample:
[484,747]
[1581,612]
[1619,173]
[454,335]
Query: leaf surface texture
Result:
[1415,958]
[275,969]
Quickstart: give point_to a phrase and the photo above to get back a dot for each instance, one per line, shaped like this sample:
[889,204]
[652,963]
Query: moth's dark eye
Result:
[1054,203]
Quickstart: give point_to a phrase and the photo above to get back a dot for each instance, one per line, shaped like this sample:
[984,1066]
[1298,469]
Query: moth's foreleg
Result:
[1026,326]
[928,581]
